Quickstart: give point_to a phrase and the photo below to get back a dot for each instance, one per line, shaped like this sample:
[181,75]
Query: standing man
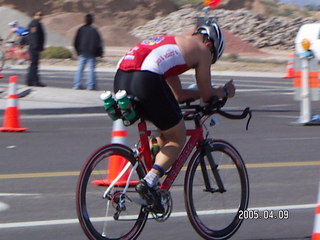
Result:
[36,45]
[88,45]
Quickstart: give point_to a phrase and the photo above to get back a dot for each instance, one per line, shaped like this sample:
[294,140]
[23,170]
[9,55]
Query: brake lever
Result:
[247,111]
[243,115]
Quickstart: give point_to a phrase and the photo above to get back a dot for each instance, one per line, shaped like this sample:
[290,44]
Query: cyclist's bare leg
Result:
[171,142]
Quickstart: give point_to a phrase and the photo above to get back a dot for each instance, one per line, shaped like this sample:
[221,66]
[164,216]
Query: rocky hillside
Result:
[124,22]
[258,30]
[301,3]
[129,13]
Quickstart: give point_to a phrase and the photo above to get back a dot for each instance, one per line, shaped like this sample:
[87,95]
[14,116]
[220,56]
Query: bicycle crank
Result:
[166,201]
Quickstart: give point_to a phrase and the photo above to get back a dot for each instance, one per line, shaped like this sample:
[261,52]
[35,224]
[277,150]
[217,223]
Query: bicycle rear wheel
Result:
[214,212]
[119,215]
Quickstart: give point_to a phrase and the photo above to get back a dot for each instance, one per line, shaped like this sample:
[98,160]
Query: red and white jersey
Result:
[159,54]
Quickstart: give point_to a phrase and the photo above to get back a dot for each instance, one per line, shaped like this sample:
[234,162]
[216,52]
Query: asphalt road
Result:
[39,168]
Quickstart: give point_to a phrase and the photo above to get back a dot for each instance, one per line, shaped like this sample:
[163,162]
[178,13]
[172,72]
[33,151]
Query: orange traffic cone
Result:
[116,163]
[290,67]
[11,121]
[316,226]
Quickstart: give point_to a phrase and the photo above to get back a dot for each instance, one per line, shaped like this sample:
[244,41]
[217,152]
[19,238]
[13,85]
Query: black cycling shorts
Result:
[156,100]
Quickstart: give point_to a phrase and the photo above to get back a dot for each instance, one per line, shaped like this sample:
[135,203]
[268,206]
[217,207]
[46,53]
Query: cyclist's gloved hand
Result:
[230,88]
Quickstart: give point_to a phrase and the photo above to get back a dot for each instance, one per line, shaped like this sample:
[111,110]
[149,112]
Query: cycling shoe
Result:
[151,195]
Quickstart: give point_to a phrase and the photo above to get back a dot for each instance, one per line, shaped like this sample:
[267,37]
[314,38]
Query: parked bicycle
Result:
[216,185]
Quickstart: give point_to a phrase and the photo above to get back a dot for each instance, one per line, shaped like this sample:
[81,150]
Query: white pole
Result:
[305,108]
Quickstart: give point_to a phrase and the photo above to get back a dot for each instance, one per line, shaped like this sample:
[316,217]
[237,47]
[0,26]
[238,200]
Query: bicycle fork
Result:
[206,152]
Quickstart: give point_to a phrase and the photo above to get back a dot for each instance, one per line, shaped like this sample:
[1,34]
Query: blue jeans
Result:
[91,79]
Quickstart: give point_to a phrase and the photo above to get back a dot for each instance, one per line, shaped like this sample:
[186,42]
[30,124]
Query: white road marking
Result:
[293,139]
[3,206]
[174,214]
[19,194]
[265,90]
[76,115]
[11,146]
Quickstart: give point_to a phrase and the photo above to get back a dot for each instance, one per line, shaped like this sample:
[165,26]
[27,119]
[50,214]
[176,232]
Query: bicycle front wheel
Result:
[116,213]
[216,189]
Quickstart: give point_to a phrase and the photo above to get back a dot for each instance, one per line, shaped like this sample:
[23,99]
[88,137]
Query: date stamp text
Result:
[252,214]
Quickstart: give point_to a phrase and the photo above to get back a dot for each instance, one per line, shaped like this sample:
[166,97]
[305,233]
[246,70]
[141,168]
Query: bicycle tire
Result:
[215,215]
[97,214]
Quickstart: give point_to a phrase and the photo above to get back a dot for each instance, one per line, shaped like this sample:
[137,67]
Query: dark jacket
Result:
[36,39]
[88,42]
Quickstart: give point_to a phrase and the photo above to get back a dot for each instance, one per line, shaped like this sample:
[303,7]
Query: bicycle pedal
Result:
[166,202]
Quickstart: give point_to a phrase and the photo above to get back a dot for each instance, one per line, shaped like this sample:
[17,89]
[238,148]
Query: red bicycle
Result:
[14,52]
[216,185]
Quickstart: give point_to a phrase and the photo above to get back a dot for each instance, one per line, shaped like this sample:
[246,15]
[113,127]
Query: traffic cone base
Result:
[290,67]
[11,121]
[3,129]
[107,182]
[290,73]
[315,236]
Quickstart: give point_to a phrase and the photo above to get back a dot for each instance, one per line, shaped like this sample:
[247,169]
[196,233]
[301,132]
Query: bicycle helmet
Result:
[13,23]
[213,33]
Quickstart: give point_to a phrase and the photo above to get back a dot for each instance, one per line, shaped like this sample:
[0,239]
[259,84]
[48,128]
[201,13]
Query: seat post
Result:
[143,133]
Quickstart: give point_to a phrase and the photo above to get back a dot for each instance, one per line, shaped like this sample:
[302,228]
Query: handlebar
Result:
[11,42]
[196,112]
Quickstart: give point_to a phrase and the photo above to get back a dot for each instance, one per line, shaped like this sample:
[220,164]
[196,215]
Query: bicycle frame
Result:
[204,182]
[196,136]
[14,52]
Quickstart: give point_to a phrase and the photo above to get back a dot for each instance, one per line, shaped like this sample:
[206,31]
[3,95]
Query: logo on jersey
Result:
[152,41]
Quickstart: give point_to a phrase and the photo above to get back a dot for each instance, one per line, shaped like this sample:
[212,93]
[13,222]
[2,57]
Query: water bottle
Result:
[125,105]
[110,105]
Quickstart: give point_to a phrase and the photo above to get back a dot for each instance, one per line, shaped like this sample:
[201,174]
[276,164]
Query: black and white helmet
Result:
[212,32]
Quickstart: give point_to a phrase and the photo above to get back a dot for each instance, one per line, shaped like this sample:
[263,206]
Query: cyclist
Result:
[19,31]
[150,72]
[18,34]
